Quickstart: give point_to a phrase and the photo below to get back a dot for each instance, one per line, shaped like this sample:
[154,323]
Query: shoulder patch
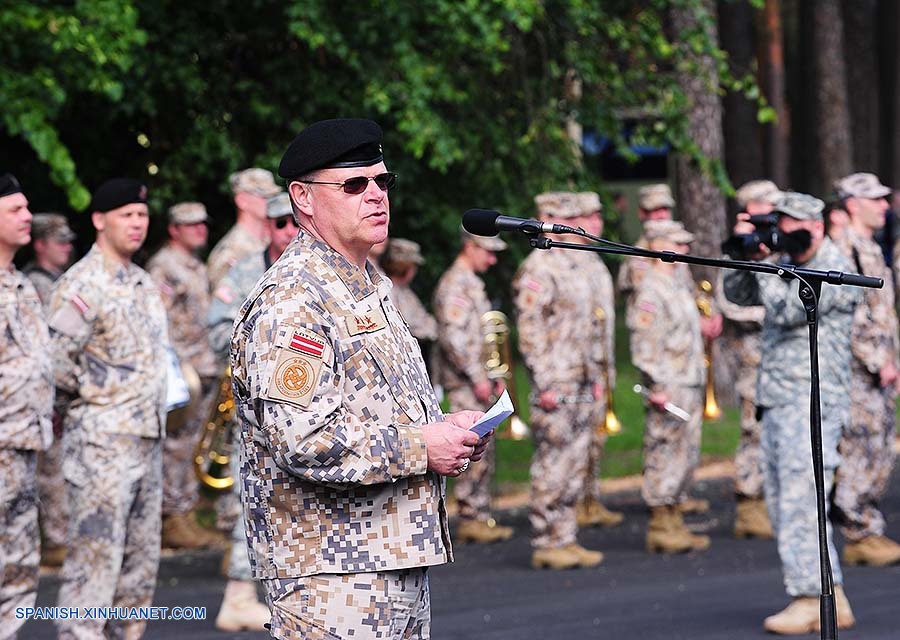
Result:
[294,378]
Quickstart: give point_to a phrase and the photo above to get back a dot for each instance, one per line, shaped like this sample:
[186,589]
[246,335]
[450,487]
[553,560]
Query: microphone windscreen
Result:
[480,222]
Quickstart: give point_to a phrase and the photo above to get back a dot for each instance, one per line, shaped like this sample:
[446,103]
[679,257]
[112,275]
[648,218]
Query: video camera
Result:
[738,247]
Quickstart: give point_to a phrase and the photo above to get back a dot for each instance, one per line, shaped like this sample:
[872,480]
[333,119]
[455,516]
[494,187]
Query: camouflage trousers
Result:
[472,489]
[19,537]
[114,531]
[748,479]
[239,558]
[388,605]
[672,448]
[52,491]
[180,485]
[595,453]
[867,457]
[790,490]
[559,465]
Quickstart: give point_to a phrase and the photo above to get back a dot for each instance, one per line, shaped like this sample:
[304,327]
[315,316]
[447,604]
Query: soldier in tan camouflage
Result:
[742,338]
[26,395]
[181,278]
[251,189]
[459,304]
[51,239]
[343,443]
[867,442]
[667,348]
[109,343]
[401,262]
[555,307]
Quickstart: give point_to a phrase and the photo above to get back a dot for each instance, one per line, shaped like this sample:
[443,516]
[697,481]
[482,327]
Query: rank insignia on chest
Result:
[371,320]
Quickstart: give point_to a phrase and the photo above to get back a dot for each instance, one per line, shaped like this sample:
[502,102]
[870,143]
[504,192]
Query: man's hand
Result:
[744,228]
[889,375]
[658,399]
[451,447]
[482,391]
[711,328]
[597,390]
[548,400]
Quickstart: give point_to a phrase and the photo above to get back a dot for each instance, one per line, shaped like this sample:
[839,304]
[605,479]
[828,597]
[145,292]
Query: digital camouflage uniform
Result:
[26,402]
[109,341]
[234,245]
[867,443]
[667,348]
[421,323]
[42,280]
[783,393]
[459,302]
[181,278]
[332,391]
[556,321]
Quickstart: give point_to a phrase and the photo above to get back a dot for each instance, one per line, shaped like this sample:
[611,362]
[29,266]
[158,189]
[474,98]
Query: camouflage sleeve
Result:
[294,373]
[533,295]
[753,314]
[168,287]
[741,288]
[646,322]
[224,305]
[453,310]
[870,345]
[70,318]
[422,324]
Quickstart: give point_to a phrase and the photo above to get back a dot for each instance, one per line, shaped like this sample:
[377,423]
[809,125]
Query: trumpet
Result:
[212,453]
[498,364]
[610,425]
[711,410]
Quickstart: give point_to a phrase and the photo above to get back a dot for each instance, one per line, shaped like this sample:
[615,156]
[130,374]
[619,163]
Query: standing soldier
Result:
[401,262]
[459,303]
[181,278]
[555,314]
[51,239]
[667,348]
[109,341]
[867,442]
[744,330]
[591,511]
[251,189]
[26,395]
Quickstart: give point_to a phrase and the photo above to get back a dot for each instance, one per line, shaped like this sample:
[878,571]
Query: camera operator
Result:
[783,391]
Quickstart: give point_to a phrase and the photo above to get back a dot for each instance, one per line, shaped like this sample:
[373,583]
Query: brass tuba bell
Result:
[610,426]
[711,410]
[498,364]
[212,454]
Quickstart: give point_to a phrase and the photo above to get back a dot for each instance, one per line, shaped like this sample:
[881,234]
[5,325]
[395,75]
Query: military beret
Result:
[116,193]
[9,185]
[52,226]
[279,206]
[655,196]
[188,213]
[800,206]
[557,204]
[757,191]
[670,230]
[403,250]
[257,181]
[345,142]
[490,243]
[860,185]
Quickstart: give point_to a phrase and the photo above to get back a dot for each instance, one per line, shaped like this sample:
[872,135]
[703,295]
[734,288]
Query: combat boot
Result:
[876,551]
[557,558]
[666,533]
[586,557]
[241,610]
[592,513]
[177,533]
[752,519]
[208,538]
[802,615]
[482,531]
[694,505]
[53,557]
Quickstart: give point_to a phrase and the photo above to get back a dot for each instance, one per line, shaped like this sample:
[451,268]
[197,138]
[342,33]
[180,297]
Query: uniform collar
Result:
[353,277]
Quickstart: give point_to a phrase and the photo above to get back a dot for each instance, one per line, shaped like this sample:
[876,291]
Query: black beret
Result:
[116,193]
[9,185]
[345,142]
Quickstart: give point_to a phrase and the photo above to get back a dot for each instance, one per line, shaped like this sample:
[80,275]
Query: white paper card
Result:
[501,410]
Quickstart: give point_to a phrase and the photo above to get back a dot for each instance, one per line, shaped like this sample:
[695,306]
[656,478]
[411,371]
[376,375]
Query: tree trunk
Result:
[771,80]
[889,50]
[864,97]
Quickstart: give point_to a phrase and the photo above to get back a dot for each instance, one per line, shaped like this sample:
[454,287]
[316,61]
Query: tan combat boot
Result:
[752,519]
[802,615]
[694,505]
[241,610]
[177,533]
[592,513]
[666,533]
[876,551]
[482,531]
[586,557]
[557,558]
[53,557]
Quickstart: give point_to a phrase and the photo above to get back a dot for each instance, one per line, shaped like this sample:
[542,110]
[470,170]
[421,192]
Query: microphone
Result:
[487,222]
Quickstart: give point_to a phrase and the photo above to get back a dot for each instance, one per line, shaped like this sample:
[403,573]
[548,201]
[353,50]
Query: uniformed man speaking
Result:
[343,443]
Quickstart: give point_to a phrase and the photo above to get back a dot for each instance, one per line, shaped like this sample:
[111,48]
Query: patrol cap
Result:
[558,204]
[589,202]
[327,144]
[655,196]
[757,191]
[860,185]
[187,213]
[9,185]
[670,230]
[800,206]
[491,243]
[403,250]
[118,192]
[51,226]
[254,180]
[279,206]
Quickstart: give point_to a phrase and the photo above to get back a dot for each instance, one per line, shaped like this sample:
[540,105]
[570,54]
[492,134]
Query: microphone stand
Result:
[810,288]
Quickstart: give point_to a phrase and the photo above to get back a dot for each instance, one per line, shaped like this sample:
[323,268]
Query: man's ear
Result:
[98,220]
[301,199]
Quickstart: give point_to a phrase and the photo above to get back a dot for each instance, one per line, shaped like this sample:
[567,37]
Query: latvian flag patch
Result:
[307,343]
[79,304]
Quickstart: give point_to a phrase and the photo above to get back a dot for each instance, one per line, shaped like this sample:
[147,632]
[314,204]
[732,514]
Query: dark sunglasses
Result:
[356,185]
[282,222]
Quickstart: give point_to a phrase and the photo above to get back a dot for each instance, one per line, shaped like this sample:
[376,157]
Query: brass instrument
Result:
[711,410]
[212,454]
[610,424]
[498,364]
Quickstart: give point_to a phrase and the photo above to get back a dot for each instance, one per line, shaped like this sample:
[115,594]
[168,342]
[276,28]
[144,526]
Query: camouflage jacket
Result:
[459,302]
[109,340]
[228,297]
[234,245]
[784,376]
[42,280]
[26,378]
[182,280]
[421,323]
[331,392]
